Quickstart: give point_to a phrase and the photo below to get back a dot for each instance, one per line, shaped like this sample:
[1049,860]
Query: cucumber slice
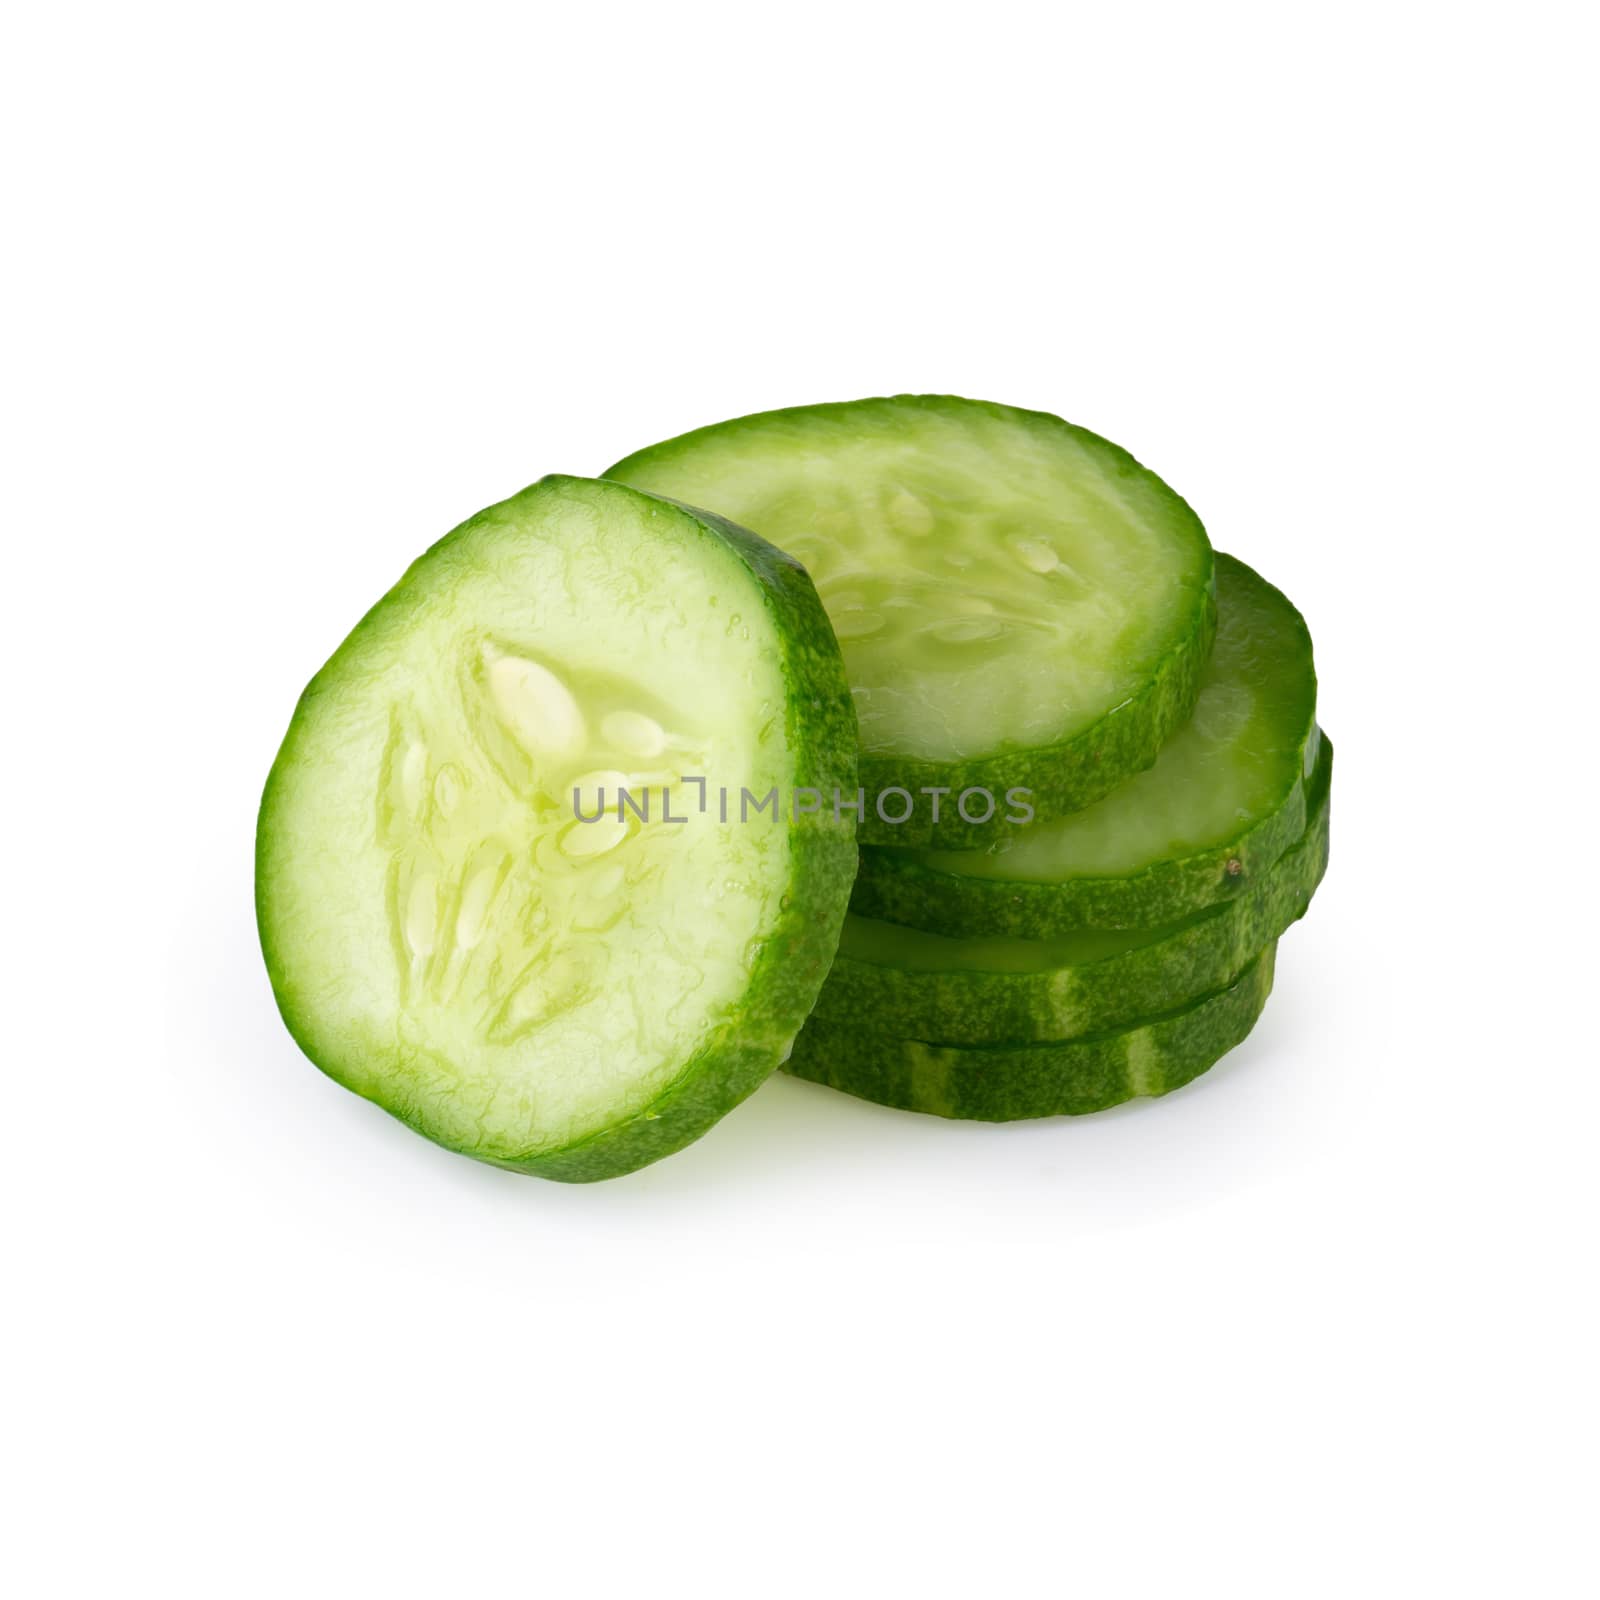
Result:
[1009,1082]
[1223,801]
[444,937]
[1021,605]
[923,986]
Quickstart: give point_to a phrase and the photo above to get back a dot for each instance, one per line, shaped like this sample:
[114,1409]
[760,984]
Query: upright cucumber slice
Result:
[1006,1083]
[924,986]
[1224,800]
[1021,605]
[446,937]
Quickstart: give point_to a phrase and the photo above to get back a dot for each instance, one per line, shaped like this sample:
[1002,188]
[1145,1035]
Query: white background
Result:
[291,290]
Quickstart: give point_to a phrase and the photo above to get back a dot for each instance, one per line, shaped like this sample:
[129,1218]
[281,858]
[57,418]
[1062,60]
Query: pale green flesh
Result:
[997,580]
[447,937]
[1231,765]
[888,944]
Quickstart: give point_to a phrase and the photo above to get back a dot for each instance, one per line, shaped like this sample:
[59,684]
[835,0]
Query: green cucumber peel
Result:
[445,933]
[1221,804]
[1008,1083]
[916,985]
[1024,609]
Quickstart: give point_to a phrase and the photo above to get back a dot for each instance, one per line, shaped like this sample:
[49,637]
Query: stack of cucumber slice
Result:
[558,860]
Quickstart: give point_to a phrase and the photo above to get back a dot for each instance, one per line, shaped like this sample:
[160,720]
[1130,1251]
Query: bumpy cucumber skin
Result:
[746,1049]
[1063,777]
[977,1008]
[894,886]
[1011,1083]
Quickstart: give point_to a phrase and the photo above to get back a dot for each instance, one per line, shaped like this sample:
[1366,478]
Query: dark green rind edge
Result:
[1008,1084]
[892,886]
[745,1049]
[1060,778]
[1064,777]
[979,1008]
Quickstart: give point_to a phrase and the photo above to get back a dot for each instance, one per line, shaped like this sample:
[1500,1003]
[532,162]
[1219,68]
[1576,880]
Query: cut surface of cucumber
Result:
[1225,798]
[1020,604]
[917,985]
[447,938]
[1008,1083]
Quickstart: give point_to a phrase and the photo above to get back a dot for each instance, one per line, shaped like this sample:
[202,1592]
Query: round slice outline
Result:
[963,799]
[1085,992]
[768,611]
[967,893]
